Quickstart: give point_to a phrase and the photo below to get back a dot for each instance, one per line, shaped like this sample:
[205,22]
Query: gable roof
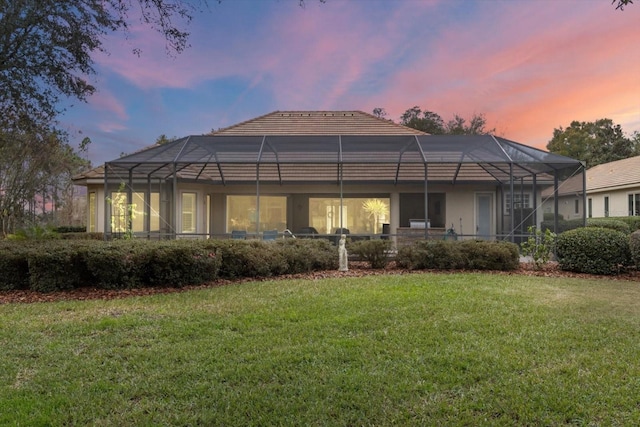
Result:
[317,123]
[621,173]
[615,175]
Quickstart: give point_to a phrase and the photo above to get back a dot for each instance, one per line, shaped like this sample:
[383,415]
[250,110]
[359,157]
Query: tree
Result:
[46,48]
[426,121]
[621,3]
[594,143]
[432,123]
[476,126]
[35,177]
[380,113]
[164,139]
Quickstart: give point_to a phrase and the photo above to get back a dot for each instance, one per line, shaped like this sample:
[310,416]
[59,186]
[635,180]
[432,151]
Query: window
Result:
[634,204]
[606,205]
[576,206]
[136,212]
[92,213]
[522,201]
[188,212]
[242,212]
[119,212]
[590,208]
[208,215]
[358,215]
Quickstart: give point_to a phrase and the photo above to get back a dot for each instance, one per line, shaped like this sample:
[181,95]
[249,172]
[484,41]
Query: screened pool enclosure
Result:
[481,186]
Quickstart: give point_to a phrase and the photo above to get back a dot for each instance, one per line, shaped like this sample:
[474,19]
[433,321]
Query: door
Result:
[484,203]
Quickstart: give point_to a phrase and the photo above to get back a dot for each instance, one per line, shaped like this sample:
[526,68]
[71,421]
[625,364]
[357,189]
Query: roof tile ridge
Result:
[233,126]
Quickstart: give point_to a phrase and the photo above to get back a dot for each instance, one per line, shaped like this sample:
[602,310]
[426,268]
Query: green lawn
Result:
[419,349]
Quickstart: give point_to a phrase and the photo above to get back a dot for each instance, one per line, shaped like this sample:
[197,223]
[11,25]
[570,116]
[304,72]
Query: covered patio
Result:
[423,175]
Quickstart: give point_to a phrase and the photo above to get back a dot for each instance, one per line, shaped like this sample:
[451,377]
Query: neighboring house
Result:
[324,171]
[612,189]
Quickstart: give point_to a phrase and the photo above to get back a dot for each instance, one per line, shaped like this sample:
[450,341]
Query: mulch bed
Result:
[356,269]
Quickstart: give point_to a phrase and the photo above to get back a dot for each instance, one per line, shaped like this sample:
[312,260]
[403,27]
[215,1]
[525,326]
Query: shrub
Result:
[634,247]
[447,254]
[613,224]
[375,252]
[549,216]
[246,258]
[69,229]
[593,250]
[563,225]
[181,263]
[539,246]
[14,265]
[81,236]
[304,255]
[489,255]
[118,264]
[35,232]
[632,221]
[54,267]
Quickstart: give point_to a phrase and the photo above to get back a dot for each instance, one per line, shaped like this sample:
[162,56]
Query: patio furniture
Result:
[270,235]
[238,234]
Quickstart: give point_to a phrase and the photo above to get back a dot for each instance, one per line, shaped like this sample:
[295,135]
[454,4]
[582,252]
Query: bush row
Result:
[466,254]
[56,265]
[597,250]
[634,248]
[623,224]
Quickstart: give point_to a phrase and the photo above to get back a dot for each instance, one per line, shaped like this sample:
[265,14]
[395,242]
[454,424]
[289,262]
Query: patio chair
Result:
[270,235]
[238,234]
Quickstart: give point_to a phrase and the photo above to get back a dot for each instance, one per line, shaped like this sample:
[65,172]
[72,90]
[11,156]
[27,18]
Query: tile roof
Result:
[605,177]
[318,123]
[625,172]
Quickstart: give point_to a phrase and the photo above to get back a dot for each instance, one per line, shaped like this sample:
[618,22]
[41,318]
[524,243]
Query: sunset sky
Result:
[528,66]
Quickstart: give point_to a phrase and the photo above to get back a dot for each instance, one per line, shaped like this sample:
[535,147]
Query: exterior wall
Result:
[566,206]
[618,202]
[459,203]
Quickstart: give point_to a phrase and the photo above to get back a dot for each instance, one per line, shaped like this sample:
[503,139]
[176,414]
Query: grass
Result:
[420,349]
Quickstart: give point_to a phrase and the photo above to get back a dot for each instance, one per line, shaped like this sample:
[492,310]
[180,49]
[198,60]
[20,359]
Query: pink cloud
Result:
[532,73]
[109,127]
[156,68]
[105,101]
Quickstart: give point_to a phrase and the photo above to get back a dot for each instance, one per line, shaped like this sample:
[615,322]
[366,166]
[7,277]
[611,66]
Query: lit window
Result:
[188,212]
[92,212]
[242,213]
[358,215]
[119,214]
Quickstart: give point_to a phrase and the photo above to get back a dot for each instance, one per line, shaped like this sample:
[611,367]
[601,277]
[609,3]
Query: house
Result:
[324,172]
[611,189]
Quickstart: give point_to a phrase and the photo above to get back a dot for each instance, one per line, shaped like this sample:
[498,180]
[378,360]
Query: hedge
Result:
[375,252]
[54,265]
[465,254]
[623,224]
[593,250]
[634,247]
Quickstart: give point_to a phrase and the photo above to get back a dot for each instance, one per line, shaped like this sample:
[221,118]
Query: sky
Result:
[529,66]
